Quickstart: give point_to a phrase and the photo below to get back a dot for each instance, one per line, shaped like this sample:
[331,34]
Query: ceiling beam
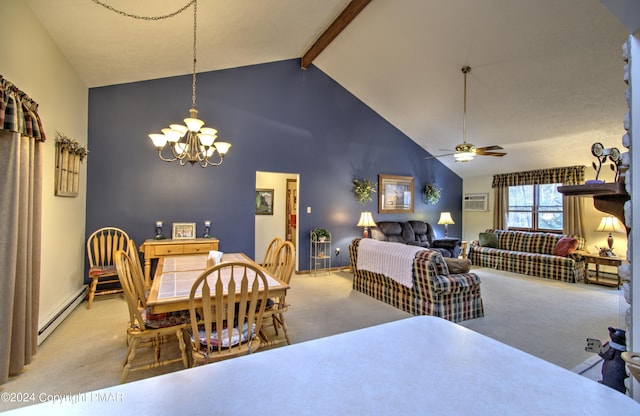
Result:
[348,14]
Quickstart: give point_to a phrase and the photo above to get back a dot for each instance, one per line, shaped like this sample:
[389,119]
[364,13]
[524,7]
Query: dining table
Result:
[175,275]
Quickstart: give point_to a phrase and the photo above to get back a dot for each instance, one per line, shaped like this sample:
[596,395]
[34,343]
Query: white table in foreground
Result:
[417,366]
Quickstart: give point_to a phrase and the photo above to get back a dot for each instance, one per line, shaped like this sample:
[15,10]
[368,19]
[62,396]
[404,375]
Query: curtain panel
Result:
[21,134]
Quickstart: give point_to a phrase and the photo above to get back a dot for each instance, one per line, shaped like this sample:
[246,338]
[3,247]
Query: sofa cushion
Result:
[391,230]
[408,235]
[423,232]
[488,240]
[565,246]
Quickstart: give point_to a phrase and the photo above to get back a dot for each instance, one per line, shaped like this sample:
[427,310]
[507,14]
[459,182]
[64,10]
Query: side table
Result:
[604,261]
[154,249]
[463,249]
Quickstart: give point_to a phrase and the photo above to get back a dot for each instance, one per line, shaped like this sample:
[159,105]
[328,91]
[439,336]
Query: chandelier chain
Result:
[193,82]
[135,16]
[163,17]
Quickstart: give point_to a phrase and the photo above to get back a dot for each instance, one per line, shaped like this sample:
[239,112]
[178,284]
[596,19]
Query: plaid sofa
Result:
[529,253]
[455,297]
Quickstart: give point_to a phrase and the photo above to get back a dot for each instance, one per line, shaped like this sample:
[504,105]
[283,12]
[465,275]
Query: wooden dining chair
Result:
[102,245]
[141,287]
[144,330]
[224,325]
[269,256]
[274,312]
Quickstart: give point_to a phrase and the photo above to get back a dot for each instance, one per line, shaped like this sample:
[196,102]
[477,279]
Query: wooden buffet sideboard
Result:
[155,249]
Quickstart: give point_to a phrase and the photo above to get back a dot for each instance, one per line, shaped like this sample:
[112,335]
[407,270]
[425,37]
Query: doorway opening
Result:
[284,221]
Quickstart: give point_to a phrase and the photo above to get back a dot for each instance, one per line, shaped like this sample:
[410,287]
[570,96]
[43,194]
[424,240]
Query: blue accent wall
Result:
[278,118]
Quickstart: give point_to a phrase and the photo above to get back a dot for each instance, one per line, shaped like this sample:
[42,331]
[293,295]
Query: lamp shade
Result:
[610,224]
[445,218]
[366,220]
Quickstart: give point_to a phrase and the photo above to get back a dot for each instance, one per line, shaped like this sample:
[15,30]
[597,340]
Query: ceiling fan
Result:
[466,151]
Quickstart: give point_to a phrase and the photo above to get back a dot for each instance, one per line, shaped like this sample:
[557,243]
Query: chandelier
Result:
[191,142]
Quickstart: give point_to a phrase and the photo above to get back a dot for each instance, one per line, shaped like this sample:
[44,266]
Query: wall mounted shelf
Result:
[607,197]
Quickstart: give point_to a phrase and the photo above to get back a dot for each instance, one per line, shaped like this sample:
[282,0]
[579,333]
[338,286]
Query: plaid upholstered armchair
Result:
[432,291]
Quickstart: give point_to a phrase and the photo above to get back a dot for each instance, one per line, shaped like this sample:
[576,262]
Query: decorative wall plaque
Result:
[69,154]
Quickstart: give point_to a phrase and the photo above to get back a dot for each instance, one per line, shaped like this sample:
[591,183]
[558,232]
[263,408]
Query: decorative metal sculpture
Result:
[602,154]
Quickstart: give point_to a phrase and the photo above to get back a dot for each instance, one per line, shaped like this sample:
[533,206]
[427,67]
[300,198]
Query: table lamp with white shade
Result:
[445,218]
[366,221]
[610,224]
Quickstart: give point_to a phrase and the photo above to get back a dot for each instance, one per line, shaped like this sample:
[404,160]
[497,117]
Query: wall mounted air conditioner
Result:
[476,202]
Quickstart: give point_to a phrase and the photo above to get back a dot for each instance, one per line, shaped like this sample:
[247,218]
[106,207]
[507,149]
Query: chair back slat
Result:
[284,262]
[236,300]
[125,267]
[268,262]
[102,245]
[137,272]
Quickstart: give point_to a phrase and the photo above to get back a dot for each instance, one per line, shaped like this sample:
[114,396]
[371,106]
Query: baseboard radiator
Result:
[62,313]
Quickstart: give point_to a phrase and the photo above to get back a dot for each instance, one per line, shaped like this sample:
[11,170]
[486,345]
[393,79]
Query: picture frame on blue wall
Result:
[183,230]
[264,201]
[395,194]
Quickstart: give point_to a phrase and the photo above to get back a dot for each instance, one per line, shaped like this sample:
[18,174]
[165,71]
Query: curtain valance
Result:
[18,112]
[569,175]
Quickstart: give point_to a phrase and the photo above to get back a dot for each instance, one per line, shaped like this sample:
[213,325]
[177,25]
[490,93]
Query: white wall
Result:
[34,64]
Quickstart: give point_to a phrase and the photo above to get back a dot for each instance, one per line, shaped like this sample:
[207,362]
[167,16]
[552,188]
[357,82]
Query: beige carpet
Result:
[547,319]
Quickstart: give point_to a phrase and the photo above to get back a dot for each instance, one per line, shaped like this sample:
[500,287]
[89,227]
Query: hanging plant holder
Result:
[363,190]
[431,193]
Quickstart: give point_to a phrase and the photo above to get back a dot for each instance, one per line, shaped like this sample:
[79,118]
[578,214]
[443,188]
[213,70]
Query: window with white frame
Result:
[535,208]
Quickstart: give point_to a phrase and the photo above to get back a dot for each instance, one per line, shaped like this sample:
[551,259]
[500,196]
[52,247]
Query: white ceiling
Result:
[546,79]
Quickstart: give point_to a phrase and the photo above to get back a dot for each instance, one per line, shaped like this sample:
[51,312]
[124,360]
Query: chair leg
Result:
[181,333]
[280,320]
[131,353]
[92,291]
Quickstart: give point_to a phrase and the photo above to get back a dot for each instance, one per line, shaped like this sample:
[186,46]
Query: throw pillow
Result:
[488,240]
[458,265]
[565,246]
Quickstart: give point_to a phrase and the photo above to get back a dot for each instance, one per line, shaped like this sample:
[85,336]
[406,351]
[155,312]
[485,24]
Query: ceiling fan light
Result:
[464,156]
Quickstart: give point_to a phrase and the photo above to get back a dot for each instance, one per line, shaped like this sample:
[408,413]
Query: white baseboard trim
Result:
[57,317]
[587,364]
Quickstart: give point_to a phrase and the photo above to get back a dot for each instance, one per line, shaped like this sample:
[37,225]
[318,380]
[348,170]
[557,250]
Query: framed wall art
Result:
[395,194]
[183,230]
[264,201]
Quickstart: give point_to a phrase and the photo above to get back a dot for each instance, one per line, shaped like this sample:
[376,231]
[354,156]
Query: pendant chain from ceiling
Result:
[163,17]
[135,16]
[465,71]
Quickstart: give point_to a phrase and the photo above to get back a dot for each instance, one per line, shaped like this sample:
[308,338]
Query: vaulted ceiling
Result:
[546,79]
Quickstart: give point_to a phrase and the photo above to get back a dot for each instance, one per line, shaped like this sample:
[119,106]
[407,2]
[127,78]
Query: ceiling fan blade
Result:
[437,156]
[494,147]
[499,154]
